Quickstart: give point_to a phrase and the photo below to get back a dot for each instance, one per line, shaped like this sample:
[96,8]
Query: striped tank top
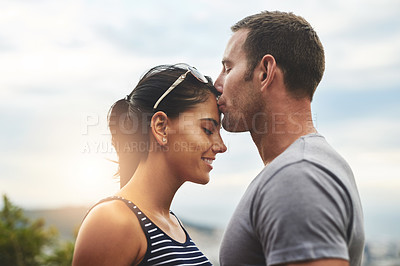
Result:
[162,249]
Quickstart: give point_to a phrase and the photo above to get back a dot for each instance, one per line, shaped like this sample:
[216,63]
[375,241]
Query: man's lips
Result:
[221,108]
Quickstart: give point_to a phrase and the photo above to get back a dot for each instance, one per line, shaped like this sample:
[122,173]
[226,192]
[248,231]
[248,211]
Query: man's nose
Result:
[219,82]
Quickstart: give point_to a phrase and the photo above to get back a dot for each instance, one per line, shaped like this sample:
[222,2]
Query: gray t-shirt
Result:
[304,205]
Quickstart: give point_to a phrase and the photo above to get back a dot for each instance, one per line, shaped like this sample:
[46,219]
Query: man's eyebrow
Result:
[211,120]
[225,61]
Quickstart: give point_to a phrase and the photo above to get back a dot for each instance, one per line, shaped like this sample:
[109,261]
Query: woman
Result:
[164,135]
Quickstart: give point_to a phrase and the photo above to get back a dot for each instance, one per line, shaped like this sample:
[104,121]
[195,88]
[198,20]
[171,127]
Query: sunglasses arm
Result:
[176,83]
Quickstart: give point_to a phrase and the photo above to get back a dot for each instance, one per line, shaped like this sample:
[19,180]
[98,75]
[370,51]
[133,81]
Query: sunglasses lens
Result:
[197,74]
[190,69]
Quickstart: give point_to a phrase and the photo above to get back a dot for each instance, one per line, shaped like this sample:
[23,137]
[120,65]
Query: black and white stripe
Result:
[162,249]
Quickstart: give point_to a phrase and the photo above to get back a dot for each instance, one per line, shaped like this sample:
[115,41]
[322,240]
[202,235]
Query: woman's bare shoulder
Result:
[110,235]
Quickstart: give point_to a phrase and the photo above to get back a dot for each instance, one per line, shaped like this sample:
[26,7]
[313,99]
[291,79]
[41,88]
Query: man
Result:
[303,208]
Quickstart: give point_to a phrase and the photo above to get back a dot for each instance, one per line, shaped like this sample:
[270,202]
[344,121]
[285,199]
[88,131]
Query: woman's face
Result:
[194,140]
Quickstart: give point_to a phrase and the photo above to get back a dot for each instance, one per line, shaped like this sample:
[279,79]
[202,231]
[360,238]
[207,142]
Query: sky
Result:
[64,63]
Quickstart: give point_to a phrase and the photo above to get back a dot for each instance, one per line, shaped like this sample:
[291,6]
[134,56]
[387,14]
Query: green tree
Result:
[61,256]
[25,243]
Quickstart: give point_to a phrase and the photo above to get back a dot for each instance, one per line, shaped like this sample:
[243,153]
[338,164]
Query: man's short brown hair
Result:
[293,43]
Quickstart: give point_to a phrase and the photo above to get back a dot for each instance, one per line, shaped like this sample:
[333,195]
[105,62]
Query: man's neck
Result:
[282,129]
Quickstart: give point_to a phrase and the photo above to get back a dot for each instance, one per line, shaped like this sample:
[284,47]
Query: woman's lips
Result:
[208,161]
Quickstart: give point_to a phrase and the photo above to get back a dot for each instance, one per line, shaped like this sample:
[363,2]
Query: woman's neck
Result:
[152,188]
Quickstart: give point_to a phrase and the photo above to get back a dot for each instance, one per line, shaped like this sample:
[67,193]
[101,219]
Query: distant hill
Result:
[67,220]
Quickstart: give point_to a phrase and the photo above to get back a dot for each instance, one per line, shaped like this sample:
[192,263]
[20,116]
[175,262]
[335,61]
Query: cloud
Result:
[361,42]
[62,62]
[333,105]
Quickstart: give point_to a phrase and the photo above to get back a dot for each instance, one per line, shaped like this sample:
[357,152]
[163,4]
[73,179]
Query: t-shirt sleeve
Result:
[302,213]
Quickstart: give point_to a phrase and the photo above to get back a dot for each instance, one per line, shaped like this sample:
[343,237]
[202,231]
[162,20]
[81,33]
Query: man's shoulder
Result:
[302,150]
[311,149]
[310,157]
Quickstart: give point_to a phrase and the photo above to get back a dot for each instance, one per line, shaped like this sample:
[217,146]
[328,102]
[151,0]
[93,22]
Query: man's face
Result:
[239,98]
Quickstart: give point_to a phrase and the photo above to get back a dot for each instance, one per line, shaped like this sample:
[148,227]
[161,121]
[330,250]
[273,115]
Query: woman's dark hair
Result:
[129,119]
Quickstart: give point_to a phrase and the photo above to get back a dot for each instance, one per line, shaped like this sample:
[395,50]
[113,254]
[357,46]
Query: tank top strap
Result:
[130,204]
[143,220]
[180,223]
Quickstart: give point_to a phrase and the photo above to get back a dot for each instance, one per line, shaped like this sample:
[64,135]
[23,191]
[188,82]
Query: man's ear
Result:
[267,70]
[158,124]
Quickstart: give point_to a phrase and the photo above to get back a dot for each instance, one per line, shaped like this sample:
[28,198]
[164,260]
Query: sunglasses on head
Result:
[200,77]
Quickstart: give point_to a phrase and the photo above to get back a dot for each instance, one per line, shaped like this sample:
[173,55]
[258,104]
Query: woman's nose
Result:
[219,146]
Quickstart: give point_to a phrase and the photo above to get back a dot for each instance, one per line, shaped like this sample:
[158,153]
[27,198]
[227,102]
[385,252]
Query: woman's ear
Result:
[267,71]
[158,125]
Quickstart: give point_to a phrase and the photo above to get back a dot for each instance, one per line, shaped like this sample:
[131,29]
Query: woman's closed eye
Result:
[207,131]
[209,126]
